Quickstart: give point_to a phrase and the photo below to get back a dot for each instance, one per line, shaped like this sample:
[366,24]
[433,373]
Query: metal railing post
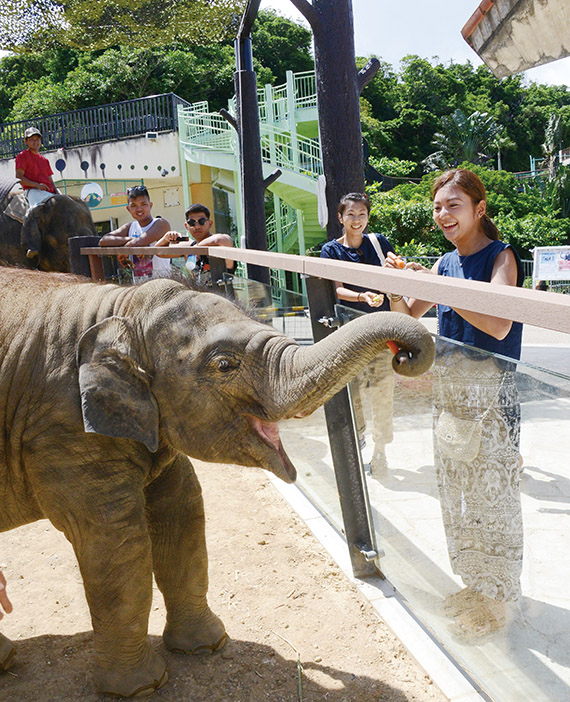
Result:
[343,443]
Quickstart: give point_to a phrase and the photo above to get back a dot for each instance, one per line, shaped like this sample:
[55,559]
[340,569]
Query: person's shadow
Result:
[59,668]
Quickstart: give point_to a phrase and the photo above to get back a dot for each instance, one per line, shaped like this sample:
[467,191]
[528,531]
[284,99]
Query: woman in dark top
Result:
[355,246]
[480,498]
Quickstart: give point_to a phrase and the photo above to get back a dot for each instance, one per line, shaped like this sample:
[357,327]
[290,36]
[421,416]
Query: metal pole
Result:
[343,443]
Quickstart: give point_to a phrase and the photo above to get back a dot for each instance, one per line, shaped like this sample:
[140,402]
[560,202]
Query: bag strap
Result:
[376,245]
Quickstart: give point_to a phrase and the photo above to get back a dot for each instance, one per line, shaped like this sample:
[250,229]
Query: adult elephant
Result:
[104,393]
[41,241]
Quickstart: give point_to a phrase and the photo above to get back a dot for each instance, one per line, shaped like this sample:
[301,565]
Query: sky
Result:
[429,28]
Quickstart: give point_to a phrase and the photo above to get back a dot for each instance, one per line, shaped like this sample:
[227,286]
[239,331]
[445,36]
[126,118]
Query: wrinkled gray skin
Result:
[45,231]
[104,391]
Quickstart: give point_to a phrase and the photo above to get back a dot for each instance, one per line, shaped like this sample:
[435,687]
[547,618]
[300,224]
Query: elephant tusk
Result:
[30,253]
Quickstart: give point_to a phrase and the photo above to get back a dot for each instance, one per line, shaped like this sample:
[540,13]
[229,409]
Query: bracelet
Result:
[394,298]
[358,298]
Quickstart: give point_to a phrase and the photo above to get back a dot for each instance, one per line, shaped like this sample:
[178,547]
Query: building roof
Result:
[514,35]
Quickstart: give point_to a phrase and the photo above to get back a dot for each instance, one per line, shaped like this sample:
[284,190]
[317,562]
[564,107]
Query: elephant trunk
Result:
[311,375]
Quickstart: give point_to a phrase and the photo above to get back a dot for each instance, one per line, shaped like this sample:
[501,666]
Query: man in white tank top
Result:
[143,231]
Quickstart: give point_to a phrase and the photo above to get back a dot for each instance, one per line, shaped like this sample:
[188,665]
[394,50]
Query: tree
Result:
[463,138]
[39,84]
[281,45]
[551,144]
[32,25]
[339,85]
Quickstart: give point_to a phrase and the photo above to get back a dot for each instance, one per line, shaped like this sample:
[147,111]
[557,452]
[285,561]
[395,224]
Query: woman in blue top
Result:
[480,498]
[355,246]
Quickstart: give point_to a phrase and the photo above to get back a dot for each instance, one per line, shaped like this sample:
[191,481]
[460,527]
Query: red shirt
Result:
[36,167]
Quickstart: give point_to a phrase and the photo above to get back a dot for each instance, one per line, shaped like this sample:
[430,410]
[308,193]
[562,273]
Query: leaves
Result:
[463,138]
[82,24]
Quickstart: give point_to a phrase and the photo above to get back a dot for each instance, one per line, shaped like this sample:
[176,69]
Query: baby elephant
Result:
[104,393]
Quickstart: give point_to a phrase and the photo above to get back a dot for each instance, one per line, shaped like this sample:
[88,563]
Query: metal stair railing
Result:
[207,130]
[278,149]
[305,90]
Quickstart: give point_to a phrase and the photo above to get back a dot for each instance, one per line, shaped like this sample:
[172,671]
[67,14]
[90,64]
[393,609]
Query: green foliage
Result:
[463,138]
[395,167]
[524,233]
[281,44]
[408,107]
[557,192]
[34,25]
[33,85]
[402,220]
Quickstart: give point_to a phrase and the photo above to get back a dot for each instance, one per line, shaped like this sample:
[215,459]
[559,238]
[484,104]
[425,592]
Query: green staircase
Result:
[288,128]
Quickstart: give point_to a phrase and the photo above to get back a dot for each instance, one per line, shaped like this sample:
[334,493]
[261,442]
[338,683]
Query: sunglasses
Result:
[193,222]
[137,190]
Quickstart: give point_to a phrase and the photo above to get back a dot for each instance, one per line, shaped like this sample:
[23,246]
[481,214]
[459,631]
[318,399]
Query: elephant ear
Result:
[116,399]
[31,236]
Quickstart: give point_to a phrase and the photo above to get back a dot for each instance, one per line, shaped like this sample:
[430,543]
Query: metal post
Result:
[343,443]
[79,264]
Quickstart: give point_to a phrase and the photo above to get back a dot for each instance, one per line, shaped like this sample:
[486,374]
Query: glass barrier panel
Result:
[305,440]
[472,522]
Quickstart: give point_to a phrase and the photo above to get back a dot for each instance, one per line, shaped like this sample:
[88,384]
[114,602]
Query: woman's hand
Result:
[4,601]
[374,299]
[394,261]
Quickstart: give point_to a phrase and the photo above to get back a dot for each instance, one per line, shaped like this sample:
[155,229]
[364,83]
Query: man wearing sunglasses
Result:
[198,225]
[143,231]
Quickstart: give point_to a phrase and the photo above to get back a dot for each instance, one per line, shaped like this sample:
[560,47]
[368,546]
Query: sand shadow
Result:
[59,668]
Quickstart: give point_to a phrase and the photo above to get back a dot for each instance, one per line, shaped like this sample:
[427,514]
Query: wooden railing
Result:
[541,309]
[90,125]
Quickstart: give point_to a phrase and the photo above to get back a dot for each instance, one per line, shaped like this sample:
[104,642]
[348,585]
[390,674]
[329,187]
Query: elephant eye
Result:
[226,364]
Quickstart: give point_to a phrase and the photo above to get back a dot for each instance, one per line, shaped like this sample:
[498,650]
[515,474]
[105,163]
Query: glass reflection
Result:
[446,523]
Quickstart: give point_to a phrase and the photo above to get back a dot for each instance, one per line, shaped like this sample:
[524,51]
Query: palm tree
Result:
[463,138]
[551,144]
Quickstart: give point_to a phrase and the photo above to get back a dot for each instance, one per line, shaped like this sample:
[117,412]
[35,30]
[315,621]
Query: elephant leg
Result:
[7,653]
[105,522]
[175,514]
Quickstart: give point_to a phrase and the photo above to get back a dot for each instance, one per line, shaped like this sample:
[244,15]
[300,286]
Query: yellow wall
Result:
[202,191]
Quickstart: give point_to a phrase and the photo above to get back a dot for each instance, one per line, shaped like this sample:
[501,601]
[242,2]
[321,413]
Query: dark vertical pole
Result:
[79,264]
[251,170]
[344,450]
[338,103]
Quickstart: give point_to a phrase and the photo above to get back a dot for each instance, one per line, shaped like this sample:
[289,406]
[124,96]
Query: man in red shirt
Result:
[33,170]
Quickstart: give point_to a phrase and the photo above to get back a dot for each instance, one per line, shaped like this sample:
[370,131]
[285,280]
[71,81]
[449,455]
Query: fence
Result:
[117,120]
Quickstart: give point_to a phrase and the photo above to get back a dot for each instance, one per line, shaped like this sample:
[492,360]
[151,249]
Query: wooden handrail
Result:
[541,309]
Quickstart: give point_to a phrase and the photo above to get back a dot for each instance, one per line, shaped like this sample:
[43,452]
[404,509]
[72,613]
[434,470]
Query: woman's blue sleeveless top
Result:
[478,266]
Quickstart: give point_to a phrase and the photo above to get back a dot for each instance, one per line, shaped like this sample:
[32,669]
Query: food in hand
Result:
[400,263]
[378,298]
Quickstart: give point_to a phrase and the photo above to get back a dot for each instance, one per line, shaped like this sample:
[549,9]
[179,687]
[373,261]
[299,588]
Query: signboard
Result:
[92,194]
[551,263]
[118,199]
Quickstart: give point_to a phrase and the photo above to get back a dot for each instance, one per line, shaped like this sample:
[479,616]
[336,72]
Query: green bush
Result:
[395,167]
[524,233]
[401,221]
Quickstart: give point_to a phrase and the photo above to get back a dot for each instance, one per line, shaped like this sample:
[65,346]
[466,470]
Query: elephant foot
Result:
[137,682]
[205,634]
[7,653]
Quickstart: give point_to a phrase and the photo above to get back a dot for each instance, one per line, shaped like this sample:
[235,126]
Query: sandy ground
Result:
[299,631]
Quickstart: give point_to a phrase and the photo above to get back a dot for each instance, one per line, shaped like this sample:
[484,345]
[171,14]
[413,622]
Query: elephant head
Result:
[47,228]
[190,370]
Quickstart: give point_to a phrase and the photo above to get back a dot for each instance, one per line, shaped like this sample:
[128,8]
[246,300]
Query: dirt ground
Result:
[299,631]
